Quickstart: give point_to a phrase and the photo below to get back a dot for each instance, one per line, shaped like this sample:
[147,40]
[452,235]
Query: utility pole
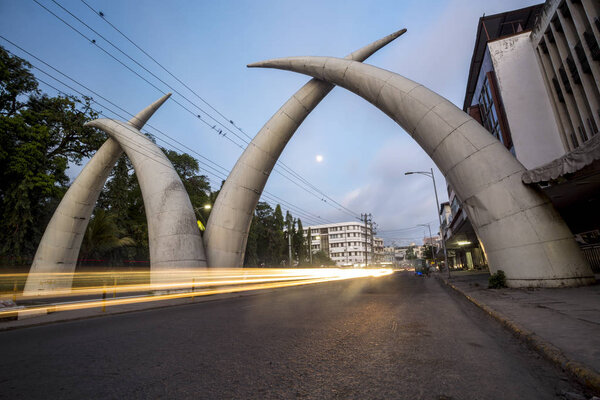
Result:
[430,240]
[373,226]
[290,246]
[309,237]
[437,210]
[367,218]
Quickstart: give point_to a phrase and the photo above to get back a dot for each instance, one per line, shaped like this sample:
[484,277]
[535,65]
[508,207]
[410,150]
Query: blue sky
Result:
[207,45]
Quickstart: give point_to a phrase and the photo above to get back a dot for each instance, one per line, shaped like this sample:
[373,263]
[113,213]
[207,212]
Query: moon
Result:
[319,158]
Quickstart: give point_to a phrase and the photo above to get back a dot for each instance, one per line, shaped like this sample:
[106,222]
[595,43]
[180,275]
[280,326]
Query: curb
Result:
[584,374]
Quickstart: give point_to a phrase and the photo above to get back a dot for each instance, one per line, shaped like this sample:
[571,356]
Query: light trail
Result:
[180,284]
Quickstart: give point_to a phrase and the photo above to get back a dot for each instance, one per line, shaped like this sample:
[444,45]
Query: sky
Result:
[346,147]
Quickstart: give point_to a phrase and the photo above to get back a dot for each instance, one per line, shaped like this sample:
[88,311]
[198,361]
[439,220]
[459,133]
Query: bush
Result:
[497,280]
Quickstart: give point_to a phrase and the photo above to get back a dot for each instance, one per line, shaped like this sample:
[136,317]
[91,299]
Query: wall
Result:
[530,117]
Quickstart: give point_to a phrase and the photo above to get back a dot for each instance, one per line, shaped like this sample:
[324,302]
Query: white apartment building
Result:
[346,243]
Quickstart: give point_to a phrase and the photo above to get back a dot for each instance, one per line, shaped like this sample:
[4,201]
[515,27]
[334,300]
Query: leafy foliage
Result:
[268,239]
[497,280]
[321,258]
[103,234]
[39,137]
[410,253]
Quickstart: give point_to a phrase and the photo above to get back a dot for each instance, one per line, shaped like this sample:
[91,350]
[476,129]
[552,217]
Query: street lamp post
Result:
[430,239]
[437,210]
[309,237]
[201,221]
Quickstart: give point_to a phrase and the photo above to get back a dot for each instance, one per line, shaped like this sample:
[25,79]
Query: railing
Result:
[592,255]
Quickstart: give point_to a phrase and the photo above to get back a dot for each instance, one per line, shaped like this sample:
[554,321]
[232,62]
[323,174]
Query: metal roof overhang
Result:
[571,177]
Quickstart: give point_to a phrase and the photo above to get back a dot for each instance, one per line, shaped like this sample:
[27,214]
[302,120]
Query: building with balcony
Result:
[346,243]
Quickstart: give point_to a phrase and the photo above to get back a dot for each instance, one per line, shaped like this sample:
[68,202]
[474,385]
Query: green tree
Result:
[279,238]
[15,82]
[39,137]
[410,253]
[321,258]
[428,252]
[267,242]
[196,185]
[102,235]
[299,244]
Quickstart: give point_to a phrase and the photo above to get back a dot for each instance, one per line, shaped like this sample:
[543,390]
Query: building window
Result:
[574,140]
[582,134]
[592,125]
[585,65]
[489,114]
[592,43]
[559,92]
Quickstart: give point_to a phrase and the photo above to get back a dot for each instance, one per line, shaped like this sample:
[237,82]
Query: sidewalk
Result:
[561,324]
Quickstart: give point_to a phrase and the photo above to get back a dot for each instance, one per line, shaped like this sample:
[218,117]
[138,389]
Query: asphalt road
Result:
[398,337]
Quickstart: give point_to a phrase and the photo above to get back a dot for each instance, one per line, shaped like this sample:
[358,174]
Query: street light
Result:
[200,221]
[430,239]
[437,210]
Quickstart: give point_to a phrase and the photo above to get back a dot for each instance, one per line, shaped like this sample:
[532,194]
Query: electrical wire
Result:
[286,168]
[151,152]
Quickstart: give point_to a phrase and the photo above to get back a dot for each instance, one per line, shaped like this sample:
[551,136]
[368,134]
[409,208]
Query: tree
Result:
[279,238]
[39,137]
[15,82]
[196,185]
[410,253]
[102,235]
[299,244]
[267,242]
[321,258]
[428,252]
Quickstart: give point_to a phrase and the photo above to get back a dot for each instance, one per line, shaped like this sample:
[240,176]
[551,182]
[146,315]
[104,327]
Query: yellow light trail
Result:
[184,284]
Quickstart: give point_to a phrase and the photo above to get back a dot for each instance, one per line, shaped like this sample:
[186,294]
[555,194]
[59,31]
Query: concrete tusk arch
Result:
[56,256]
[520,230]
[229,222]
[173,235]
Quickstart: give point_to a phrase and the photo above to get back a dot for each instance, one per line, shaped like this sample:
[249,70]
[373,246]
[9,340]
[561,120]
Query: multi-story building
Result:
[378,250]
[346,243]
[534,83]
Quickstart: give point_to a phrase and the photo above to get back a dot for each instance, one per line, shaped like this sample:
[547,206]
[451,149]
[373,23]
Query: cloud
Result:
[394,199]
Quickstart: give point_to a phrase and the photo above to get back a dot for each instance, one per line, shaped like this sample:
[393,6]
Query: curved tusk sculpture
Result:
[173,235]
[229,222]
[519,228]
[56,256]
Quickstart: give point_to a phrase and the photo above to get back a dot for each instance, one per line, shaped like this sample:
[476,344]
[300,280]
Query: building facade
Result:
[346,243]
[534,84]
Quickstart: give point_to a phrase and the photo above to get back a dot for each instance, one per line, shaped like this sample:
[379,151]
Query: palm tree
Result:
[102,235]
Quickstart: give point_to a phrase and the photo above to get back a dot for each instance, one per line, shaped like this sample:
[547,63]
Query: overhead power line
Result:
[151,153]
[101,15]
[279,162]
[313,190]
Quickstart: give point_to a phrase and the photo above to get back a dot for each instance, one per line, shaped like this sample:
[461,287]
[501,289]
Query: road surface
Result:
[396,337]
